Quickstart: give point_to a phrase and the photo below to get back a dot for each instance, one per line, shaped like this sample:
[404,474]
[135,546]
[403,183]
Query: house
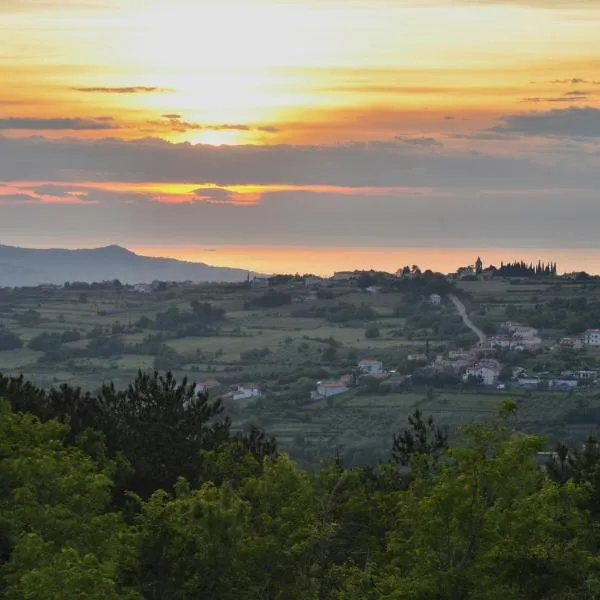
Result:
[562,384]
[500,341]
[528,384]
[260,282]
[247,391]
[581,375]
[142,288]
[348,379]
[326,389]
[435,299]
[312,281]
[204,387]
[567,343]
[592,337]
[370,366]
[487,370]
[343,276]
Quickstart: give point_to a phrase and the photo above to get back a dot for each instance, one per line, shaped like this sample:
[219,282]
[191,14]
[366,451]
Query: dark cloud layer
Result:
[138,89]
[568,122]
[316,218]
[381,163]
[73,124]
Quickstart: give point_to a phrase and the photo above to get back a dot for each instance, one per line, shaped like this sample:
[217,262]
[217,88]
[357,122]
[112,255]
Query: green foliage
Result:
[9,340]
[215,515]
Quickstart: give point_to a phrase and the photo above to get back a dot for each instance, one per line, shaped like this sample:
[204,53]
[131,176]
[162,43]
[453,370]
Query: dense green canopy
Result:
[146,494]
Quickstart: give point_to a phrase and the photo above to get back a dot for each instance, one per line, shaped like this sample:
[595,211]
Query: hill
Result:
[28,266]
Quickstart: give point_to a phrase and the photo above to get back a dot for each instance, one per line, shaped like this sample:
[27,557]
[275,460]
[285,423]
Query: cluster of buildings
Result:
[369,367]
[247,391]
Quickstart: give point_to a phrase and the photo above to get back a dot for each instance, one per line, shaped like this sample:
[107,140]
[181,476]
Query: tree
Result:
[56,534]
[488,525]
[161,426]
[9,340]
[422,437]
[371,333]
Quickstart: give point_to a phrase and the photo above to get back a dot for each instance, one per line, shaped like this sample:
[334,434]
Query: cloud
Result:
[175,122]
[568,97]
[74,124]
[568,122]
[422,142]
[218,195]
[358,164]
[574,81]
[138,89]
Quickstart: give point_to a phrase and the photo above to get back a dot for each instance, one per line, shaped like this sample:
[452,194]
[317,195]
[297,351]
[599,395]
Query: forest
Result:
[146,493]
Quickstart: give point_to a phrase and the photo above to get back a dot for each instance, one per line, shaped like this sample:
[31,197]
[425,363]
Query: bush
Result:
[9,340]
[371,333]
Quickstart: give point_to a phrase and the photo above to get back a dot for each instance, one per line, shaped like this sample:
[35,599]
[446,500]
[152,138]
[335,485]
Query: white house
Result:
[326,389]
[245,392]
[203,387]
[312,281]
[370,366]
[435,299]
[592,337]
[487,370]
[343,276]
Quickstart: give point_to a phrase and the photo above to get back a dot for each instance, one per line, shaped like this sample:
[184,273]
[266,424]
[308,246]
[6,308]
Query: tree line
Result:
[522,269]
[147,494]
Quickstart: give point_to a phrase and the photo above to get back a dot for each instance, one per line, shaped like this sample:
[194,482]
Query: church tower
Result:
[478,266]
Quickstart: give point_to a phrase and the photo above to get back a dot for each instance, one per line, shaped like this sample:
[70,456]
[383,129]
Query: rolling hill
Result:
[28,266]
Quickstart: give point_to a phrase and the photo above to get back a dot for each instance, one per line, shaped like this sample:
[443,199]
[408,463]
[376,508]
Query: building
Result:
[478,266]
[562,384]
[581,375]
[500,341]
[260,282]
[370,366]
[312,281]
[326,389]
[435,299]
[486,370]
[204,387]
[343,276]
[592,337]
[247,391]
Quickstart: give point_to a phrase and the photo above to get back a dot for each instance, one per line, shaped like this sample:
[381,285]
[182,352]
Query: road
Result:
[462,311]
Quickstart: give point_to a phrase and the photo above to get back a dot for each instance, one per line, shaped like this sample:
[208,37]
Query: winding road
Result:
[462,311]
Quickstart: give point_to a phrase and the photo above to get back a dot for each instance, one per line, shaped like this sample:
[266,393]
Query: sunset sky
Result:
[197,128]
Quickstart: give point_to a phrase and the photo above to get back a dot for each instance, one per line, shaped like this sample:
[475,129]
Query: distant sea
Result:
[324,260]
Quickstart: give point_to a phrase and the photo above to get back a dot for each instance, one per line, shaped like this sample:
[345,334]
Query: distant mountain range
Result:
[28,266]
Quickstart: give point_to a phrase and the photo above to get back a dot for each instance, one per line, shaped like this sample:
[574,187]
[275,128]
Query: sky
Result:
[264,126]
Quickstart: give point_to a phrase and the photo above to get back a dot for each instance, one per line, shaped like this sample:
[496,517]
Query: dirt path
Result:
[462,311]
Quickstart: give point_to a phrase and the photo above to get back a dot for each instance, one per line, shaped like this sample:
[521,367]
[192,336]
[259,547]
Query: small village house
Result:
[312,281]
[260,282]
[435,299]
[246,392]
[327,389]
[592,337]
[204,387]
[486,370]
[371,366]
[343,276]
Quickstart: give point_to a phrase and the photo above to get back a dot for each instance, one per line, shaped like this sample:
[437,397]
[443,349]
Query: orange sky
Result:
[317,71]
[331,119]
